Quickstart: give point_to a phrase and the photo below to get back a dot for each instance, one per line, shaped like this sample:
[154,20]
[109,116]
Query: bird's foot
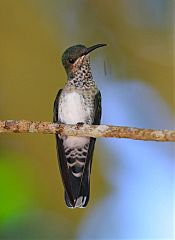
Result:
[79,124]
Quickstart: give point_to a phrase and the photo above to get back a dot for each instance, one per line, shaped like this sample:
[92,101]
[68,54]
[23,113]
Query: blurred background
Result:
[132,184]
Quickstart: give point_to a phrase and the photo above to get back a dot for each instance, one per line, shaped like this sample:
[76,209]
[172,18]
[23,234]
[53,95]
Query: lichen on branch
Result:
[96,131]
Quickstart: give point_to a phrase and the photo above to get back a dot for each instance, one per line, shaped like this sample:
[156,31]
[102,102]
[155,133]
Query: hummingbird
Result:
[79,102]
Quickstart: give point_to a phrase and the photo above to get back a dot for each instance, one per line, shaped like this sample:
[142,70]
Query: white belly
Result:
[72,109]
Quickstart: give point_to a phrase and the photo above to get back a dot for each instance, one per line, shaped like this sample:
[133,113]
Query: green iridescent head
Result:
[72,54]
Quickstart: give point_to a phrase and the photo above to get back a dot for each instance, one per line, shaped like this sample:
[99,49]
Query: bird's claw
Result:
[79,124]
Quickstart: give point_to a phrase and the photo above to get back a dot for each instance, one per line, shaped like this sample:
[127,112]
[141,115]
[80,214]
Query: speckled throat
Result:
[80,76]
[79,93]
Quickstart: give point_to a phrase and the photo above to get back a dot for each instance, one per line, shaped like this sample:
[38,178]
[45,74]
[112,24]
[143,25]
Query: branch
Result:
[24,126]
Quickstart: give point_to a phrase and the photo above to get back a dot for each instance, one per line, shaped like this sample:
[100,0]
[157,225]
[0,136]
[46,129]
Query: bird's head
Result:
[74,57]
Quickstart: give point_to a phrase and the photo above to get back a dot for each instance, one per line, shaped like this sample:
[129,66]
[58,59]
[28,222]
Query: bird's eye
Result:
[71,60]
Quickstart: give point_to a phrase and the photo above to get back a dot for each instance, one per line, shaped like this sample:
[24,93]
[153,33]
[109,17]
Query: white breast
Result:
[72,109]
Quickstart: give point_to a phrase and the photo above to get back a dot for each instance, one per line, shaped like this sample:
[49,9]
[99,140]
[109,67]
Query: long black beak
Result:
[90,49]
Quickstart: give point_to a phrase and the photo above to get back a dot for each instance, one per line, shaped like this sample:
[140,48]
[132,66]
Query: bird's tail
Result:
[80,189]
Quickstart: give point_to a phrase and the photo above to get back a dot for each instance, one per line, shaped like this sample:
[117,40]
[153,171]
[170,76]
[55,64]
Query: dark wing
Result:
[97,119]
[97,116]
[55,108]
[61,153]
[85,181]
